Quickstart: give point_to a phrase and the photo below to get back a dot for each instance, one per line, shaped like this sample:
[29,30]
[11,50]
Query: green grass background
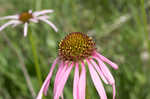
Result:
[119,27]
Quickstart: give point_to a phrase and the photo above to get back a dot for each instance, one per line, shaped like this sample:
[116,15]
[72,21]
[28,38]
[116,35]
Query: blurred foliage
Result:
[124,45]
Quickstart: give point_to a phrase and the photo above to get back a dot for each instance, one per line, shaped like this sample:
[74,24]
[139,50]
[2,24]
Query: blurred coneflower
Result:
[75,51]
[26,17]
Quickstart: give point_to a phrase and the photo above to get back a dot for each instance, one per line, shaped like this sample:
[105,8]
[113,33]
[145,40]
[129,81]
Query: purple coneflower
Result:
[76,50]
[26,17]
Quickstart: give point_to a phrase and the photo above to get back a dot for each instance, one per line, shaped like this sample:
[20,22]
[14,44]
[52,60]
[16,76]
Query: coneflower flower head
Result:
[74,50]
[76,47]
[26,17]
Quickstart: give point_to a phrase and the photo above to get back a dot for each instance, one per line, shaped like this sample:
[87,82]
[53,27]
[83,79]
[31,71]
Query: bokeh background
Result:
[120,29]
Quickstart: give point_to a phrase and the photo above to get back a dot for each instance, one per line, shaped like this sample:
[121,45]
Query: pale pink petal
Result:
[30,11]
[25,29]
[59,75]
[10,17]
[82,82]
[37,13]
[34,20]
[17,23]
[7,24]
[44,17]
[99,71]
[62,82]
[115,66]
[76,81]
[47,80]
[105,71]
[49,23]
[97,82]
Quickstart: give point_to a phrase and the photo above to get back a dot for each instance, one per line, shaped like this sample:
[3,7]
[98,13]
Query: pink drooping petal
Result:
[99,70]
[45,85]
[115,66]
[59,75]
[102,76]
[49,23]
[97,82]
[114,91]
[105,71]
[62,96]
[25,29]
[10,17]
[62,82]
[37,13]
[107,74]
[76,81]
[8,23]
[82,82]
[59,71]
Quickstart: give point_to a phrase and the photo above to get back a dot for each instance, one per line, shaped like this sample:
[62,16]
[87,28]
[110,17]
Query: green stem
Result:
[88,96]
[87,92]
[35,56]
[144,18]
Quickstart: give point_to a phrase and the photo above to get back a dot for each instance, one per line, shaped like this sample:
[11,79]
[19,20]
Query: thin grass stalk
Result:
[145,29]
[38,5]
[22,64]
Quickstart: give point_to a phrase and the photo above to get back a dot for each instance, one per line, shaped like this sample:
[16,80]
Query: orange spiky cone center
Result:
[76,46]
